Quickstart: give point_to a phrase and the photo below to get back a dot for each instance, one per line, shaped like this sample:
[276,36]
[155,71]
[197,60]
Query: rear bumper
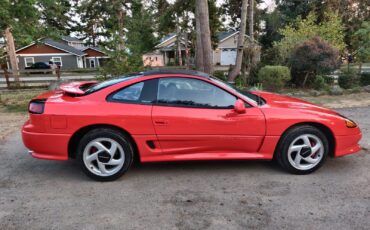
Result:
[347,144]
[46,146]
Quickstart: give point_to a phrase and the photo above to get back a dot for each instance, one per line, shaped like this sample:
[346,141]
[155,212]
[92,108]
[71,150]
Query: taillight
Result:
[36,106]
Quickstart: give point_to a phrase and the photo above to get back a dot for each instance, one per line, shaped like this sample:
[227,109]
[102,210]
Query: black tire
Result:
[281,153]
[123,140]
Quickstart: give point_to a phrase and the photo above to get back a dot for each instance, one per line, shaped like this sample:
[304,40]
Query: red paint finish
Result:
[180,133]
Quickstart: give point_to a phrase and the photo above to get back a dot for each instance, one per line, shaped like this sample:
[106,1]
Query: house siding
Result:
[231,42]
[68,61]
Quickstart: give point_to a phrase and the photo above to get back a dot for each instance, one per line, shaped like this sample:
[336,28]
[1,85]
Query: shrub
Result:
[274,77]
[319,82]
[329,80]
[365,79]
[348,79]
[312,57]
[220,75]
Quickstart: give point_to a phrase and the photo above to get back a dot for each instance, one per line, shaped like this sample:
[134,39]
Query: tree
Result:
[140,32]
[289,10]
[239,56]
[361,42]
[312,57]
[331,30]
[204,47]
[56,17]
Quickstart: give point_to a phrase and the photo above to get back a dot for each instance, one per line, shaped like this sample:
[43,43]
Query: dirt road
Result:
[36,194]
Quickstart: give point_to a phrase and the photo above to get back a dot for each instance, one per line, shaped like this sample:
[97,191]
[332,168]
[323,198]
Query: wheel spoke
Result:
[100,146]
[316,148]
[297,160]
[115,161]
[93,156]
[113,148]
[102,168]
[296,148]
[306,141]
[311,160]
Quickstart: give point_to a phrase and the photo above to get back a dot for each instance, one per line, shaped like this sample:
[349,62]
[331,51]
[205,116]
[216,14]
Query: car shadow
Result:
[70,170]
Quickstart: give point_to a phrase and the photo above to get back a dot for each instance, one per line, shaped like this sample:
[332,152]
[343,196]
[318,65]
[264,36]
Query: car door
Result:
[194,119]
[131,108]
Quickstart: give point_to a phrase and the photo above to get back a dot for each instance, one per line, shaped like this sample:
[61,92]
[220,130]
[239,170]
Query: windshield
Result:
[244,93]
[110,82]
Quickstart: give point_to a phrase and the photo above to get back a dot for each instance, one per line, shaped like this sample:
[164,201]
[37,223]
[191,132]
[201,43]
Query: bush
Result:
[365,79]
[329,80]
[348,79]
[274,78]
[319,82]
[220,75]
[313,57]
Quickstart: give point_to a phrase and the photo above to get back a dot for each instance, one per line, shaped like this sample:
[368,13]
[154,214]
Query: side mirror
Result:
[239,106]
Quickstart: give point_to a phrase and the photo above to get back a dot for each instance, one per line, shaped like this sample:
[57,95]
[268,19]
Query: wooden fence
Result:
[43,77]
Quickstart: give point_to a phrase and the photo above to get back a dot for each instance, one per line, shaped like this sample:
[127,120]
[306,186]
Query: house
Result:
[154,59]
[166,51]
[225,52]
[68,53]
[94,58]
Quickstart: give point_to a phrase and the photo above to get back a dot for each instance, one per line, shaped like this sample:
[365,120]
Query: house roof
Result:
[70,39]
[168,36]
[93,48]
[225,34]
[62,46]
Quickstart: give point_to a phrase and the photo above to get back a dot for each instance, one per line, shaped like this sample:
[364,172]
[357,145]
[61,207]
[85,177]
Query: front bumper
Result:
[46,146]
[347,144]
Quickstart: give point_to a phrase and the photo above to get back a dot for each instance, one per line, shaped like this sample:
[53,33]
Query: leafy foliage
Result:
[313,57]
[361,41]
[365,79]
[330,30]
[274,77]
[348,79]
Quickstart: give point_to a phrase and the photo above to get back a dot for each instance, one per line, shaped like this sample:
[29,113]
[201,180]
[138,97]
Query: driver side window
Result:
[187,92]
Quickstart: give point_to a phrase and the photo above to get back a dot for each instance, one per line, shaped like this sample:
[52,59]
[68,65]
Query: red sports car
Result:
[178,115]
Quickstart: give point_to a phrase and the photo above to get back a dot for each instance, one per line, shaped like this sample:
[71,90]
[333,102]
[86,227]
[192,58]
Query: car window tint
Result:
[131,93]
[193,93]
[141,92]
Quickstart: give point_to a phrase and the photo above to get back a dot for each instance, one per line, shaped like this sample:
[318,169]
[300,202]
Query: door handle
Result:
[161,122]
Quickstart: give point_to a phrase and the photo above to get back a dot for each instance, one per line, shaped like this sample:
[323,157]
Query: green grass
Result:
[17,100]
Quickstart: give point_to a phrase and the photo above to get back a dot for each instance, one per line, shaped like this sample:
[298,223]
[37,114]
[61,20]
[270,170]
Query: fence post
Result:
[57,71]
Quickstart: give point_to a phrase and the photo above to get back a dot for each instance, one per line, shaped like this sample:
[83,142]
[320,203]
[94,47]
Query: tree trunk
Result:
[305,79]
[198,48]
[178,33]
[239,56]
[251,19]
[121,32]
[10,47]
[187,54]
[205,34]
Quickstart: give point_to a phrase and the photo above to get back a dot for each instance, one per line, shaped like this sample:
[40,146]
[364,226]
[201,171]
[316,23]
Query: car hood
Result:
[281,101]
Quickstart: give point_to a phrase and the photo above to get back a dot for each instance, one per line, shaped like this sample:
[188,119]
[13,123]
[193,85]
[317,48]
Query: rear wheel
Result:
[302,150]
[105,154]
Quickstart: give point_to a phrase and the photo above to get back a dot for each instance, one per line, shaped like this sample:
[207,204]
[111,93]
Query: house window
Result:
[29,61]
[92,63]
[57,61]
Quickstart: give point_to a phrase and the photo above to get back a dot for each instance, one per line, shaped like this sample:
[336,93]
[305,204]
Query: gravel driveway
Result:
[36,194]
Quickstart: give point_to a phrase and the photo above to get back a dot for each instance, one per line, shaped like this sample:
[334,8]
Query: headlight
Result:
[349,122]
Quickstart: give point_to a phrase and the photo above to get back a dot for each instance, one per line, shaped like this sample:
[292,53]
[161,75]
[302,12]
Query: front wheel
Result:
[105,154]
[302,150]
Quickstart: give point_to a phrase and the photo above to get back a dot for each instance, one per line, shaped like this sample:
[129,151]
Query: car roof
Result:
[175,71]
